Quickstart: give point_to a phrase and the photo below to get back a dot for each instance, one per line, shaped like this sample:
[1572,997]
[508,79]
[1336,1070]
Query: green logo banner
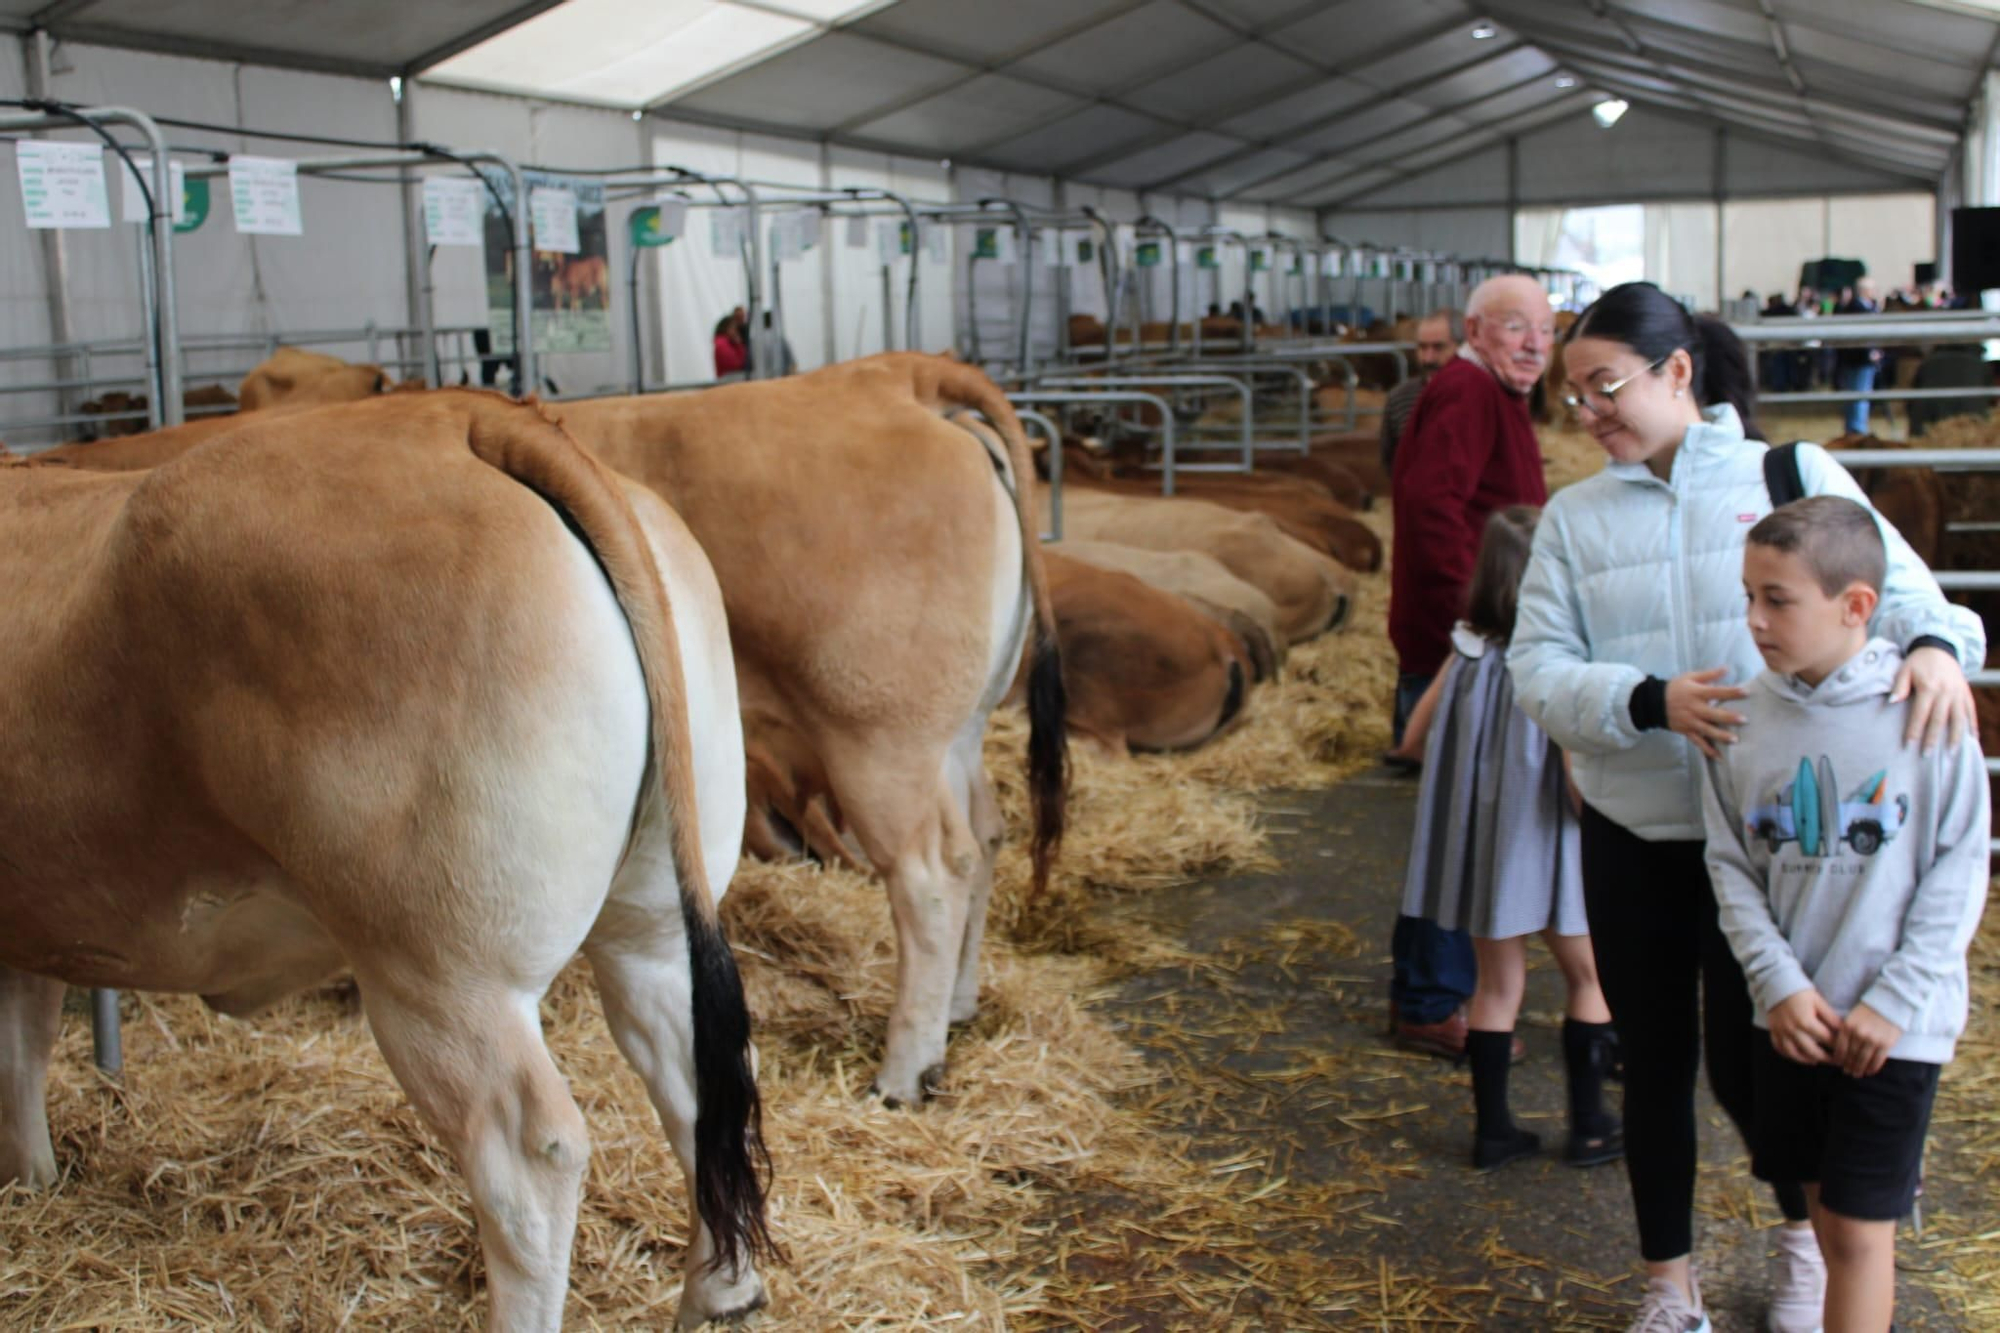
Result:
[986,243]
[646,230]
[194,201]
[1146,254]
[1205,257]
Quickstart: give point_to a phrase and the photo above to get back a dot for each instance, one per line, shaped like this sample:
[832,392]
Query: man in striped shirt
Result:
[1438,337]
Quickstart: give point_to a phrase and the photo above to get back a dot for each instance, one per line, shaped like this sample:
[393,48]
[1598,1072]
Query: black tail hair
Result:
[732,1163]
[1048,753]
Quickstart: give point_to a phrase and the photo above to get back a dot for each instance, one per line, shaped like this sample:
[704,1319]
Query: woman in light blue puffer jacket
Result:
[1630,644]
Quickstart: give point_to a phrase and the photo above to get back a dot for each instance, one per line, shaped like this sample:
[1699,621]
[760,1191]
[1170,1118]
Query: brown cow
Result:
[1311,591]
[881,582]
[1142,669]
[300,378]
[256,734]
[1207,583]
[1301,509]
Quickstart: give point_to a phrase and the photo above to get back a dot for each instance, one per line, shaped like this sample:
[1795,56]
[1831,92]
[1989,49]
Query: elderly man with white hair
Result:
[1468,450]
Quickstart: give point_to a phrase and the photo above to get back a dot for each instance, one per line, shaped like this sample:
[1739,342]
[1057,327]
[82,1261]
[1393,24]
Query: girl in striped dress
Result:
[1495,853]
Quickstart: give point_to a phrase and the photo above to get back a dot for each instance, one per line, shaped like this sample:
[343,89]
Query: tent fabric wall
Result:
[344,271]
[24,301]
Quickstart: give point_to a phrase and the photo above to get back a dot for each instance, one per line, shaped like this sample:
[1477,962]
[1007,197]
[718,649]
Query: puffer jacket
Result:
[1632,576]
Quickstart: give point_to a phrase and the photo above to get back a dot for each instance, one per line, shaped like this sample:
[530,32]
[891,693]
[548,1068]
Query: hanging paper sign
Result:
[857,233]
[454,211]
[194,204]
[808,227]
[1260,259]
[1204,257]
[781,239]
[264,195]
[132,199]
[935,248]
[725,233]
[889,241]
[1146,254]
[62,184]
[552,215]
[1330,263]
[1054,248]
[1298,264]
[656,225]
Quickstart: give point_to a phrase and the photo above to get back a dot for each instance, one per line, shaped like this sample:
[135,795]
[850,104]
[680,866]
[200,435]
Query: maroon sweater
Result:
[1469,449]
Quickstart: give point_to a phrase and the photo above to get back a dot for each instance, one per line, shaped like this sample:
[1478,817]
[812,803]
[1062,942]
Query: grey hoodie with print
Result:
[1845,860]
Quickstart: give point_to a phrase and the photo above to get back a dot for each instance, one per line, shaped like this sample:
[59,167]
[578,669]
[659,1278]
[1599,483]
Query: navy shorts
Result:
[1860,1139]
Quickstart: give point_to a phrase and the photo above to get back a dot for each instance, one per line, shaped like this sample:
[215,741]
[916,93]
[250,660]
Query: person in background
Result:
[1438,336]
[1629,647]
[1780,367]
[1852,934]
[1494,853]
[732,348]
[1855,367]
[1469,449]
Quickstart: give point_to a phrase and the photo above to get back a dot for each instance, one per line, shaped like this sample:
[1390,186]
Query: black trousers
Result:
[1674,988]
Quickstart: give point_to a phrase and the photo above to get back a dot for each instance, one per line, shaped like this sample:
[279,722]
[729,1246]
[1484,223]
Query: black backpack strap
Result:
[1781,475]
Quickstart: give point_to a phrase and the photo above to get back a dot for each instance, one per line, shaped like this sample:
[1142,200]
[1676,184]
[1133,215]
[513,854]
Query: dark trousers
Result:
[1674,987]
[1435,969]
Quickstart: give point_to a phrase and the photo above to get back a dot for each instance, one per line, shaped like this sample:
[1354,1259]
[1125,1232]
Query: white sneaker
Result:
[1798,1283]
[1666,1309]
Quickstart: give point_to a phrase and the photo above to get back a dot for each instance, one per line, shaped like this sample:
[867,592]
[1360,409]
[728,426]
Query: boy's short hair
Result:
[1836,538]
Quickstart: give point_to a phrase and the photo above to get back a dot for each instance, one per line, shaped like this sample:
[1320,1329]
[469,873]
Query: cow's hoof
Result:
[929,1084]
[38,1172]
[731,1316]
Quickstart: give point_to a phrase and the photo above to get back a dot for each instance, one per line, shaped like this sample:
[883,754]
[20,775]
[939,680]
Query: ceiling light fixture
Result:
[1607,112]
[1565,80]
[1483,29]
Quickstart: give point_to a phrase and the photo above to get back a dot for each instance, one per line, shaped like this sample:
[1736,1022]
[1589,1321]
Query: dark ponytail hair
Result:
[1653,325]
[1495,594]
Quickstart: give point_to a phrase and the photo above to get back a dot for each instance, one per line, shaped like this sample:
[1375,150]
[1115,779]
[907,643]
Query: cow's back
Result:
[829,506]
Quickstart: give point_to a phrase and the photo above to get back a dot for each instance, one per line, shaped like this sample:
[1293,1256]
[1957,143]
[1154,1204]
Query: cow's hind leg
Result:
[931,862]
[642,978]
[988,828]
[30,1018]
[476,1069]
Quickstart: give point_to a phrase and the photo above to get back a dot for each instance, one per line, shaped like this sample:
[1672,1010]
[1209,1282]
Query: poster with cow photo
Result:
[572,288]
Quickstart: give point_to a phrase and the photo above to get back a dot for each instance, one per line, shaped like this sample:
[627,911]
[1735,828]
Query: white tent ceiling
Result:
[1303,102]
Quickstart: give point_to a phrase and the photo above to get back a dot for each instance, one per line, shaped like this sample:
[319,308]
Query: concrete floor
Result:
[1304,952]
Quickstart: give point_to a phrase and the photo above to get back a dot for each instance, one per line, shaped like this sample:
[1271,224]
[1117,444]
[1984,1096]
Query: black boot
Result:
[1496,1140]
[1595,1135]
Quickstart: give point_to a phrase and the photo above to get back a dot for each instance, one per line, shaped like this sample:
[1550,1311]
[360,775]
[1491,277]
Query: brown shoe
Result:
[1445,1038]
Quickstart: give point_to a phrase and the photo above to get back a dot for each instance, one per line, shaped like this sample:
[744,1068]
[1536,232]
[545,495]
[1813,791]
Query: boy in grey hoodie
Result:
[1850,870]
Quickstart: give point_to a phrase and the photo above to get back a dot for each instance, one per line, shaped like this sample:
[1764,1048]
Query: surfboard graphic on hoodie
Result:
[1805,810]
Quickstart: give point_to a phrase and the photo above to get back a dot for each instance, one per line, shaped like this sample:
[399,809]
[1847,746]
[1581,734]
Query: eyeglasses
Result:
[1608,393]
[1514,328]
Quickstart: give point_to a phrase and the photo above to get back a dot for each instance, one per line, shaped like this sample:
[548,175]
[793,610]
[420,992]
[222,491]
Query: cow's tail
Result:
[733,1167]
[952,383]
